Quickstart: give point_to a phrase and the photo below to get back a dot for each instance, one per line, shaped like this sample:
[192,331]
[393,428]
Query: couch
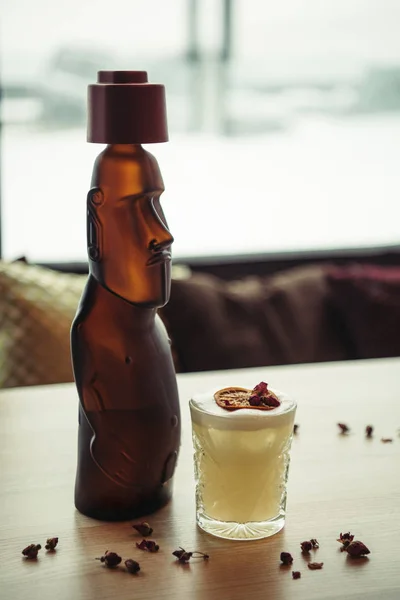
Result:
[312,313]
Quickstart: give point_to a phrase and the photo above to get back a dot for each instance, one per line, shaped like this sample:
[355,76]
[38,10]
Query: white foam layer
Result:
[205,411]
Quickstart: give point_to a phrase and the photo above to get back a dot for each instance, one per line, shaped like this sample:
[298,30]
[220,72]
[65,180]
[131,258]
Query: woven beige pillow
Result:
[37,306]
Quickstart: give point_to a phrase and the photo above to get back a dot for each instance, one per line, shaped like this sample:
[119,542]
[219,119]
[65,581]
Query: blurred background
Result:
[284,122]
[282,175]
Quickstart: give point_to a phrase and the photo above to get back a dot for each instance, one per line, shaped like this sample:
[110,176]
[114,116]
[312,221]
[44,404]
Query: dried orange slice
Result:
[234,398]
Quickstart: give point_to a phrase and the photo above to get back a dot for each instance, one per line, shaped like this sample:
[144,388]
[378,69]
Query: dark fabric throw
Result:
[368,300]
[285,318]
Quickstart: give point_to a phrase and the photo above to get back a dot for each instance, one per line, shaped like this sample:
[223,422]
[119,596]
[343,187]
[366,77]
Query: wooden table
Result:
[336,483]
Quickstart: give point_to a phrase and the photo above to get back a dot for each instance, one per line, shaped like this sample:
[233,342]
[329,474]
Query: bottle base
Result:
[124,513]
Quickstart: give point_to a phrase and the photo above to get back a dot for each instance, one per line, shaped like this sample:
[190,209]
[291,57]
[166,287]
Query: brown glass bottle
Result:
[129,419]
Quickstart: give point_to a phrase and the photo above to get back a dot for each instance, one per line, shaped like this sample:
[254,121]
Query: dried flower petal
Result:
[152,546]
[141,545]
[270,400]
[31,551]
[132,566]
[295,428]
[255,400]
[343,428]
[148,545]
[369,431]
[51,543]
[183,556]
[178,553]
[387,440]
[286,558]
[143,528]
[111,559]
[296,574]
[260,389]
[314,543]
[306,546]
[345,538]
[356,549]
[314,566]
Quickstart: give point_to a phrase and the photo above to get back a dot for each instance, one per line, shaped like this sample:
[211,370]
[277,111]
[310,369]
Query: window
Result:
[284,120]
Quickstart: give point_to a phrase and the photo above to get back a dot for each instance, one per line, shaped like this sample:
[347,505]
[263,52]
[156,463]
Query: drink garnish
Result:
[259,398]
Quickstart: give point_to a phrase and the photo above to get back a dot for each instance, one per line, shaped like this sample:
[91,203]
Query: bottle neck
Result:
[125,148]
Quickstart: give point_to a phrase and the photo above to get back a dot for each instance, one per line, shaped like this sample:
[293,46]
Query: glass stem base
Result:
[252,530]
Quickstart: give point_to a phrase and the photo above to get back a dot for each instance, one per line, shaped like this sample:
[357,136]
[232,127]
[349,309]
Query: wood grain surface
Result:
[336,483]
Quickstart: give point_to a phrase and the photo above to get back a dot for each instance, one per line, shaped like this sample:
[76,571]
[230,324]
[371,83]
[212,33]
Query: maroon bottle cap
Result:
[123,108]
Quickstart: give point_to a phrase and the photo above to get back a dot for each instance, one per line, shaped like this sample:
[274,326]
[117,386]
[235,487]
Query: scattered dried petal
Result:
[369,431]
[306,546]
[132,566]
[143,528]
[111,559]
[314,566]
[343,428]
[51,543]
[296,574]
[314,543]
[183,556]
[387,440]
[295,428]
[286,558]
[345,538]
[148,545]
[31,551]
[356,549]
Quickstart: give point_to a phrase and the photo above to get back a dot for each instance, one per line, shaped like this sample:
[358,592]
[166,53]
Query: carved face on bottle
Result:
[129,247]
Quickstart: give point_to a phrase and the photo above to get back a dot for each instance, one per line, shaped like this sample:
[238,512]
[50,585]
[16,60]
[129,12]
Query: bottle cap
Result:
[123,108]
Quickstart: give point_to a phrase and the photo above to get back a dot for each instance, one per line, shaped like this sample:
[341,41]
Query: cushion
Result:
[37,307]
[257,321]
[214,324]
[368,298]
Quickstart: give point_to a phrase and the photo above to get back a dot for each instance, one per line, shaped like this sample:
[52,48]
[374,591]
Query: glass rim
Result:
[247,415]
